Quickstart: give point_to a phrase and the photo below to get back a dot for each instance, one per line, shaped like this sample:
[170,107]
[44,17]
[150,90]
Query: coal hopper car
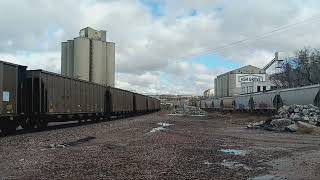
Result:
[11,76]
[49,97]
[140,103]
[119,102]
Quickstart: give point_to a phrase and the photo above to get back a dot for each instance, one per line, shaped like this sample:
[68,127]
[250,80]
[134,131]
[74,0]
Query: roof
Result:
[9,63]
[245,69]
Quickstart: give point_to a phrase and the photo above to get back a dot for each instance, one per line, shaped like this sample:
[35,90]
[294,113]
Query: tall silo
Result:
[70,58]
[64,54]
[103,35]
[98,69]
[82,58]
[110,64]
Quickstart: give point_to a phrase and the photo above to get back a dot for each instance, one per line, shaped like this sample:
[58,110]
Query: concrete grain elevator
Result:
[89,57]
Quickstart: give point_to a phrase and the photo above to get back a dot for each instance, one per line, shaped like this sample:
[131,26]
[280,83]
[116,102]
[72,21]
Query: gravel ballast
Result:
[183,147]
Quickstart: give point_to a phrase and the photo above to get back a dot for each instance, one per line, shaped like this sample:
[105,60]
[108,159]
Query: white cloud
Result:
[148,46]
[49,61]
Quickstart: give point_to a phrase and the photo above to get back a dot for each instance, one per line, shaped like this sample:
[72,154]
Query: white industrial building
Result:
[229,84]
[89,57]
[256,86]
[275,65]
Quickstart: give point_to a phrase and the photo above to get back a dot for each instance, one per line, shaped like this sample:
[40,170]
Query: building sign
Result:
[249,78]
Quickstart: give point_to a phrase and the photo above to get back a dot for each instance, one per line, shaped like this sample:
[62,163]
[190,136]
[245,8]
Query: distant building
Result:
[208,93]
[175,100]
[89,57]
[229,84]
[275,65]
[256,86]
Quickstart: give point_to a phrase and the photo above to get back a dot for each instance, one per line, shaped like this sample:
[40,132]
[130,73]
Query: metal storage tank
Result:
[242,102]
[228,103]
[82,56]
[110,64]
[64,54]
[301,95]
[216,103]
[264,101]
[99,68]
[209,103]
[70,58]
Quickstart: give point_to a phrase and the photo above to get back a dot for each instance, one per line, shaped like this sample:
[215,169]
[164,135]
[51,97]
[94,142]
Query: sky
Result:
[162,46]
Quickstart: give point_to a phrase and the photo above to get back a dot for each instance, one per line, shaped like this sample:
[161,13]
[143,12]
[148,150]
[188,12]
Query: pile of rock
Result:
[292,118]
[306,113]
[189,110]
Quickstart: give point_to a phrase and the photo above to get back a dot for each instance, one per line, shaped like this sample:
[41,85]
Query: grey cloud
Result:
[147,46]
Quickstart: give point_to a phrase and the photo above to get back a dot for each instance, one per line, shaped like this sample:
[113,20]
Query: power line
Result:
[258,37]
[239,42]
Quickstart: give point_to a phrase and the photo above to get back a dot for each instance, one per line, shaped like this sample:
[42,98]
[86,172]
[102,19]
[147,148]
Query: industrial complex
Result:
[89,57]
[248,79]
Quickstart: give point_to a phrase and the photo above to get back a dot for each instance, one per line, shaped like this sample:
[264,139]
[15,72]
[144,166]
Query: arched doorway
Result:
[277,102]
[221,103]
[317,100]
[251,103]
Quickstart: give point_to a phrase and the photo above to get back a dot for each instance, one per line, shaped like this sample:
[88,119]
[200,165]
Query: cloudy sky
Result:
[162,46]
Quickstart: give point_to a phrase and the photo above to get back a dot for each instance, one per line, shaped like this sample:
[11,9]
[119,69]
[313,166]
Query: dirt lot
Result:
[158,146]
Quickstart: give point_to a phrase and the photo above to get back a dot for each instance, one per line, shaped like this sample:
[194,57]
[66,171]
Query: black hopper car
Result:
[33,98]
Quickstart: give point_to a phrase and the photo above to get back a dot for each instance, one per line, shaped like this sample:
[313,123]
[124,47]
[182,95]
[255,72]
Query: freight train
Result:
[33,98]
[267,101]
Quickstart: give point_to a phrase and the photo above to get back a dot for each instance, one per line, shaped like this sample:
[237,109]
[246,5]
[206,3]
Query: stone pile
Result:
[306,113]
[292,118]
[189,110]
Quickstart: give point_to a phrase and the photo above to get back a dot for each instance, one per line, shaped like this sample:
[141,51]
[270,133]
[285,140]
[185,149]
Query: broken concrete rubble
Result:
[189,110]
[256,125]
[292,128]
[281,123]
[293,118]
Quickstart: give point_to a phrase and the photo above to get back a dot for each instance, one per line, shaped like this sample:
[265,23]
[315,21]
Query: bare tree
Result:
[302,69]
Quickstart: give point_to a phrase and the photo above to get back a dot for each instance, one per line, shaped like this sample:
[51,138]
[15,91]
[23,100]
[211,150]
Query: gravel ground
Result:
[159,146]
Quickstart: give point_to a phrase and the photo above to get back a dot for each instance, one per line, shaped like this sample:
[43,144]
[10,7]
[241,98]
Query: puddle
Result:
[158,129]
[235,165]
[161,127]
[265,177]
[164,124]
[236,152]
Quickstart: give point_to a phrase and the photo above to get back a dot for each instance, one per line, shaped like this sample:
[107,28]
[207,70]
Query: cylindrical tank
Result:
[64,54]
[110,64]
[99,67]
[81,58]
[70,58]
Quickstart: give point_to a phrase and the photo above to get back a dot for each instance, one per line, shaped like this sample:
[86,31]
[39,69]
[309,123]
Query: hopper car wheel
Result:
[42,124]
[27,124]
